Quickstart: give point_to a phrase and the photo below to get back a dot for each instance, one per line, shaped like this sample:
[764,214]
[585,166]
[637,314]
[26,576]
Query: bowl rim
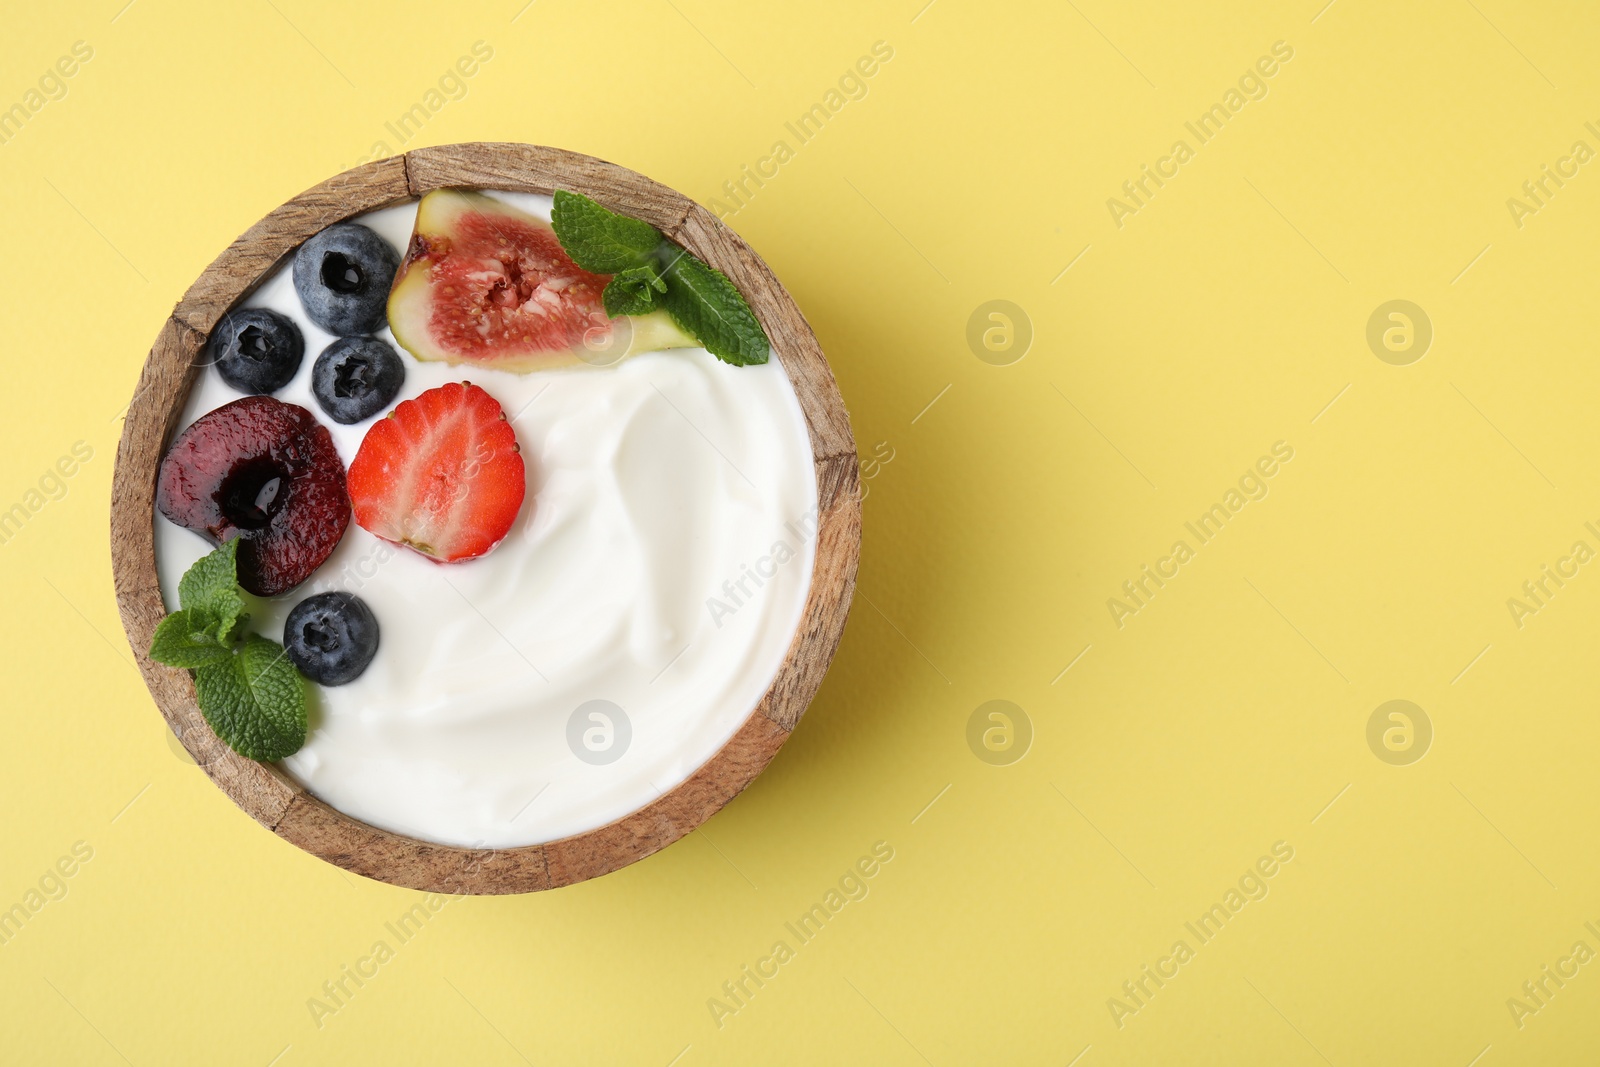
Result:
[284,806]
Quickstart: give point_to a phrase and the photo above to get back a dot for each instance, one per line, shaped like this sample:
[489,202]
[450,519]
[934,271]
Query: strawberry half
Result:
[442,474]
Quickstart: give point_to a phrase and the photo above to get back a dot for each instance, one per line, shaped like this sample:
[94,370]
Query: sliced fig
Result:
[486,284]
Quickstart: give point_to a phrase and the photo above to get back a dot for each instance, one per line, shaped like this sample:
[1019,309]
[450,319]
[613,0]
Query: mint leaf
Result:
[633,291]
[599,240]
[705,303]
[253,696]
[179,643]
[209,593]
[255,700]
[651,271]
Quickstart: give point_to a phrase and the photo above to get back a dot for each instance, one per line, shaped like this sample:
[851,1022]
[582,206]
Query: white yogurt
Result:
[660,562]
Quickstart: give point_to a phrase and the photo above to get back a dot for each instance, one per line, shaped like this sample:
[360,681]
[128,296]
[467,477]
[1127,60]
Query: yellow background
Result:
[1230,713]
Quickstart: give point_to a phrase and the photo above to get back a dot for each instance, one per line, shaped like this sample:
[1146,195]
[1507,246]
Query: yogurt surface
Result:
[620,634]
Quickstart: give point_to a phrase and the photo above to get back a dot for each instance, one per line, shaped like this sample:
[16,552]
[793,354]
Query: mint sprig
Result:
[209,593]
[650,271]
[633,291]
[180,642]
[248,690]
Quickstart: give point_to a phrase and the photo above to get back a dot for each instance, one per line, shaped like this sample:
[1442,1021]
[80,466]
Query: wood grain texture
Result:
[288,809]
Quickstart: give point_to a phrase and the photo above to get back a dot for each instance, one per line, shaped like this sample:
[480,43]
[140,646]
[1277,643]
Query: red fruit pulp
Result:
[508,286]
[442,474]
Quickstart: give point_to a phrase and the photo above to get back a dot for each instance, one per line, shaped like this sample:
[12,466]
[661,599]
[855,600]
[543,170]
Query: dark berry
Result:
[267,472]
[343,276]
[356,377]
[331,637]
[256,350]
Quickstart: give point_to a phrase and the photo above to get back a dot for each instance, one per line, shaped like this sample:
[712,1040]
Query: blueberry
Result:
[331,637]
[343,276]
[356,377]
[256,350]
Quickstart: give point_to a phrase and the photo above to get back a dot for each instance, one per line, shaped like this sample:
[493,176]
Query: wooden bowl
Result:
[285,807]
